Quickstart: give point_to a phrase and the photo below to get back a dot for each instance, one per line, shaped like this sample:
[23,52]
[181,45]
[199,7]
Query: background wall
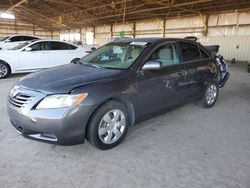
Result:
[12,27]
[229,30]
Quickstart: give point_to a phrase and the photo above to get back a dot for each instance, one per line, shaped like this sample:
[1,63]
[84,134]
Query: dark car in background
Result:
[118,85]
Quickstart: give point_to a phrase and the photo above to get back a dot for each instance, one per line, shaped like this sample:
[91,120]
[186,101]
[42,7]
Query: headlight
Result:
[61,101]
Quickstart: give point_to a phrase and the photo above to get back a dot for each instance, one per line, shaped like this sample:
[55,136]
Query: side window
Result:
[204,54]
[165,54]
[59,46]
[16,39]
[40,46]
[71,47]
[27,38]
[189,52]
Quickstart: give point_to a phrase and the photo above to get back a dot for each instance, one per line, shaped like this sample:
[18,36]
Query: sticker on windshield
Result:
[138,43]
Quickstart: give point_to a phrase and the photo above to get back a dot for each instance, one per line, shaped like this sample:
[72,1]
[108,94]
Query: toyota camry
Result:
[116,86]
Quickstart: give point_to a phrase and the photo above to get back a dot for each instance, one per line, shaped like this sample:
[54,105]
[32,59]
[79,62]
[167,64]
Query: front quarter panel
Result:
[122,89]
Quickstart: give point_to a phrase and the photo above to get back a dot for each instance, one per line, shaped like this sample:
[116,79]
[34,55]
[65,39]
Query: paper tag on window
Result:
[138,43]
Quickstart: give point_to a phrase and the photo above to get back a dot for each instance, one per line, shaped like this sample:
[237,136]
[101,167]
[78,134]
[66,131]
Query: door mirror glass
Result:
[152,65]
[28,49]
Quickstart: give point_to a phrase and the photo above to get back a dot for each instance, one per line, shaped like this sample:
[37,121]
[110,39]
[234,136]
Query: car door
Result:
[163,88]
[195,61]
[62,53]
[35,56]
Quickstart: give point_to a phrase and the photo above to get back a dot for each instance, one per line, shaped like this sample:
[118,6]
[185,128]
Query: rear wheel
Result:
[4,70]
[210,95]
[108,126]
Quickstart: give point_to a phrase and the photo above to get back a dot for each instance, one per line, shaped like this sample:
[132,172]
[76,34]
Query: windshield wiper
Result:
[92,65]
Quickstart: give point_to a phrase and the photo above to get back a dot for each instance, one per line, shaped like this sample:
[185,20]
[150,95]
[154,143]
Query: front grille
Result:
[20,100]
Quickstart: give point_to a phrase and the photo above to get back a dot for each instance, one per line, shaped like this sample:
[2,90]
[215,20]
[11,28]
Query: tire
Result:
[75,60]
[108,125]
[210,95]
[4,70]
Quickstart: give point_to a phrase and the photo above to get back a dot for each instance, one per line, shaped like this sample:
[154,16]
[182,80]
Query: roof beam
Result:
[15,5]
[172,6]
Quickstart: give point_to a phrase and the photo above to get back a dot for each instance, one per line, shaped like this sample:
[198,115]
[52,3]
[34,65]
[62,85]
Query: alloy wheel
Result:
[3,70]
[211,94]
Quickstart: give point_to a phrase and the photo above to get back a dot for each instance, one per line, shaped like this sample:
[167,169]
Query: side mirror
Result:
[93,49]
[87,52]
[28,49]
[7,40]
[152,65]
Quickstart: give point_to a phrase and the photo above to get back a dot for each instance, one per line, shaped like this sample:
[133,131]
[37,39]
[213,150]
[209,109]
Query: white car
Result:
[12,41]
[39,54]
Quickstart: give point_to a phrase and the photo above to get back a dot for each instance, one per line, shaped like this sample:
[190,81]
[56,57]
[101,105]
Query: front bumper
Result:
[60,126]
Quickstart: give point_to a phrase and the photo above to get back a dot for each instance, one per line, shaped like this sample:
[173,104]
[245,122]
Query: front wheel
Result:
[4,70]
[108,126]
[210,95]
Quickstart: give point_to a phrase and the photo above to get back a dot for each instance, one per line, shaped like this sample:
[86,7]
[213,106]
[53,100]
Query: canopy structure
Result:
[59,14]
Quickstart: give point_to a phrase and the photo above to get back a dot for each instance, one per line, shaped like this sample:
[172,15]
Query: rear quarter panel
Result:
[11,59]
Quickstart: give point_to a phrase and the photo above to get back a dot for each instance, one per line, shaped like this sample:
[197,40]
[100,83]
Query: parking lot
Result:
[187,147]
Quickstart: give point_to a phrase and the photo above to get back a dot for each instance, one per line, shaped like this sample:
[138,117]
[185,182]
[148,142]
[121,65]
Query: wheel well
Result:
[1,61]
[128,105]
[122,100]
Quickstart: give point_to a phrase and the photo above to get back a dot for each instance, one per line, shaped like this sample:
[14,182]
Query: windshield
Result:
[115,55]
[20,46]
[3,39]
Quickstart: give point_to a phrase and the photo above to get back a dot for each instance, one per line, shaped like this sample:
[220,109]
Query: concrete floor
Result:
[189,147]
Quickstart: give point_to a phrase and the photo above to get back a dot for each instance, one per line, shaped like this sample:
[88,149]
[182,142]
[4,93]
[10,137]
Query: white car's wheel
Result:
[4,70]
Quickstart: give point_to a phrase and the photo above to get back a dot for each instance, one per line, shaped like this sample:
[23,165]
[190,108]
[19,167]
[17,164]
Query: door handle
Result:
[183,84]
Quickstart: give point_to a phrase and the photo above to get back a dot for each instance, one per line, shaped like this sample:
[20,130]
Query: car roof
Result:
[23,35]
[151,40]
[160,40]
[51,40]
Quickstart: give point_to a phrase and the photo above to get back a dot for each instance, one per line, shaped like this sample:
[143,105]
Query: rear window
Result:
[71,47]
[62,46]
[27,38]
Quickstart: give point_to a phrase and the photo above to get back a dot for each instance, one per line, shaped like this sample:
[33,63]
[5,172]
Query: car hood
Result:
[63,79]
[6,51]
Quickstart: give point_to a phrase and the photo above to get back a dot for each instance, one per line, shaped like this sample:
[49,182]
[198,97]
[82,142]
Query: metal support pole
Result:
[164,28]
[111,30]
[134,29]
